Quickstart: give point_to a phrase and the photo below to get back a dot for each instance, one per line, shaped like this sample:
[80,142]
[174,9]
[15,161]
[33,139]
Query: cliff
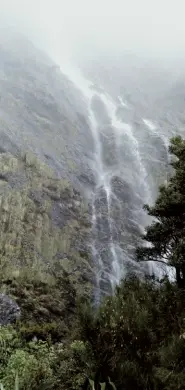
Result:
[44,260]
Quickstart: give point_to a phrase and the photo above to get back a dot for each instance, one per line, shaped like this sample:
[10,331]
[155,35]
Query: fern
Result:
[102,385]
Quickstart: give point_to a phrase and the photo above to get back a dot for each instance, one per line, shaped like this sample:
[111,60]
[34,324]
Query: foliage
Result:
[134,340]
[102,386]
[40,364]
[16,386]
[73,365]
[166,235]
[30,361]
[137,336]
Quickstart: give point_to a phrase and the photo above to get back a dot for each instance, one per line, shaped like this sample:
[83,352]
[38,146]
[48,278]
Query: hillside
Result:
[41,110]
[44,235]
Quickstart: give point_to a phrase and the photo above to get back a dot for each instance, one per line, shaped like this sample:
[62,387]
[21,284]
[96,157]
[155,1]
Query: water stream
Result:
[124,181]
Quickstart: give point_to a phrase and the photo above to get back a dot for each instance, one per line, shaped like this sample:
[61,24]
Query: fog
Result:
[129,150]
[152,28]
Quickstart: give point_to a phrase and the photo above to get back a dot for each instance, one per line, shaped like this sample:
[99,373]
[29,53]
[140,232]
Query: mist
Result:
[147,28]
[106,126]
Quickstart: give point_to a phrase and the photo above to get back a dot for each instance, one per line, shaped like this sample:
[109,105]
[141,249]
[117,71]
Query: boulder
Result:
[9,310]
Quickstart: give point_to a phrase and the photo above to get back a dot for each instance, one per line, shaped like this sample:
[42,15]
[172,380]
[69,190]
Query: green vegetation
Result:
[43,222]
[102,386]
[167,233]
[40,364]
[133,340]
[137,337]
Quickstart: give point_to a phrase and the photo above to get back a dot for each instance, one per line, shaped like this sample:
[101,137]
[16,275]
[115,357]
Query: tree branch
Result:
[158,261]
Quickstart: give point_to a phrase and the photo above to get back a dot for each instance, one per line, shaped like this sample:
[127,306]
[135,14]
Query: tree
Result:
[136,337]
[166,235]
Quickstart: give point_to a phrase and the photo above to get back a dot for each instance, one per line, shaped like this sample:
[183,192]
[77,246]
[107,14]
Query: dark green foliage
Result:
[31,361]
[41,365]
[108,385]
[166,234]
[134,340]
[137,337]
[46,332]
[47,309]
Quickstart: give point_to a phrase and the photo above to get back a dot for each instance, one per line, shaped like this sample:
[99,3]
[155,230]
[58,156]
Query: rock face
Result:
[9,310]
[45,170]
[41,110]
[44,258]
[43,219]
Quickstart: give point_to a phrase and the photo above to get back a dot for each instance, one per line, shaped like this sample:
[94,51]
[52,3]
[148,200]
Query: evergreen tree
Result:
[166,235]
[136,337]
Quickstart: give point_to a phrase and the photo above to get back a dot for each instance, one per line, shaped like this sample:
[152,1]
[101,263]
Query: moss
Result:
[35,253]
[8,163]
[47,331]
[44,302]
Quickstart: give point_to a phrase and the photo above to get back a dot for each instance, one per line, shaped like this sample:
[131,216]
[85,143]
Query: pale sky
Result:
[156,26]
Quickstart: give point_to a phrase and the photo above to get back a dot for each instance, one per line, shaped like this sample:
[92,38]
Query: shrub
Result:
[30,361]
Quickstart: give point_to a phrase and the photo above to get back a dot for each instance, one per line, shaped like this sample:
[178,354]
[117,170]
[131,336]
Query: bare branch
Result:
[158,261]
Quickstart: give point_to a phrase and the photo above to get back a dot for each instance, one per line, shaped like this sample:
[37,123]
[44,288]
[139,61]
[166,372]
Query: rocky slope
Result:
[44,260]
[41,110]
[44,163]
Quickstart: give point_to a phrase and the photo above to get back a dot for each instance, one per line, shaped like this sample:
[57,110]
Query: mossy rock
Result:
[48,331]
[36,251]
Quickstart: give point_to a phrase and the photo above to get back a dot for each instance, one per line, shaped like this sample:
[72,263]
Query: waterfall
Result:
[123,181]
[102,183]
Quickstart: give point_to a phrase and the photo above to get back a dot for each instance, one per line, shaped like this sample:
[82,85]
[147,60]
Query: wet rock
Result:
[125,114]
[100,111]
[44,112]
[87,179]
[9,310]
[121,188]
[109,147]
[42,222]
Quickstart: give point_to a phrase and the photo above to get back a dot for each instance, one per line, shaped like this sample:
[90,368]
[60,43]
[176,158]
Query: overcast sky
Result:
[156,26]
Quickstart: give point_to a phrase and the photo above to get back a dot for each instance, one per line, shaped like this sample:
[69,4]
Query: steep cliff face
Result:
[44,259]
[41,110]
[45,158]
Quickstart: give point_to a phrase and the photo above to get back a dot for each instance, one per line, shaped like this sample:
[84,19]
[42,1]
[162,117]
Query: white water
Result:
[136,176]
[154,128]
[86,87]
[149,124]
[122,102]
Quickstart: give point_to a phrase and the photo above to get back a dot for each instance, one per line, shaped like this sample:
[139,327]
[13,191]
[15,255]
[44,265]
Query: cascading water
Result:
[123,182]
[102,183]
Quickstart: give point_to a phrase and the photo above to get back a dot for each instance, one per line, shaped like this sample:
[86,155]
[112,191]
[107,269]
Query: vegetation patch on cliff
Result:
[44,261]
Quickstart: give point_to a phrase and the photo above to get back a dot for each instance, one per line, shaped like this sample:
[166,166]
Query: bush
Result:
[30,361]
[134,336]
[134,340]
[73,364]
